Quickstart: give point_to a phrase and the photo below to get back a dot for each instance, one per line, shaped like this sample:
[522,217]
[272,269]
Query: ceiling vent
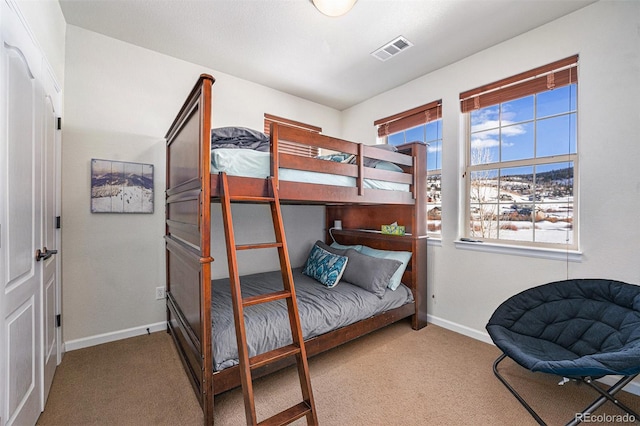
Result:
[392,48]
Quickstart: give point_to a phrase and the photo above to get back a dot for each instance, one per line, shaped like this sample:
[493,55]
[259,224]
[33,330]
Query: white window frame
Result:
[410,119]
[568,250]
[433,234]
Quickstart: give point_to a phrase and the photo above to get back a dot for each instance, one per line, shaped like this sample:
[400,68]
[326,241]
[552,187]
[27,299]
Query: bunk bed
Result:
[191,187]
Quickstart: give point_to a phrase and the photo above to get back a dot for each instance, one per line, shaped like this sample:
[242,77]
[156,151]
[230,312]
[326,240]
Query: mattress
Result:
[321,310]
[257,164]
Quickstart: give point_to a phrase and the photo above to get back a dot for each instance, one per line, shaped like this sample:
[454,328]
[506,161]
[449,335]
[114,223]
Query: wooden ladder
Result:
[297,349]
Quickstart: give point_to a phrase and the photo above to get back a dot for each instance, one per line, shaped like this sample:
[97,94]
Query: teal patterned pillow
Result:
[324,266]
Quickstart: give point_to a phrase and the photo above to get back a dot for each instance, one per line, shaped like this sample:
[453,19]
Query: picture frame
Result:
[121,187]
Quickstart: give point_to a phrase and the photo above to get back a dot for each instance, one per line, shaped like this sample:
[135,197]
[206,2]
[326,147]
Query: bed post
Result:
[356,218]
[205,247]
[419,154]
[188,239]
[274,137]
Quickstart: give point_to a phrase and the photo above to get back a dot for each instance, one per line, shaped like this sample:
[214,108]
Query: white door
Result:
[50,289]
[20,195]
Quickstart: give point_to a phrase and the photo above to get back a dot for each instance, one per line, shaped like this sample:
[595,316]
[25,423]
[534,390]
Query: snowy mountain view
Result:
[119,187]
[523,207]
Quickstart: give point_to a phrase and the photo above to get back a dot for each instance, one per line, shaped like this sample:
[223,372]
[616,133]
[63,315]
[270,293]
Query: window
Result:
[292,147]
[423,124]
[522,161]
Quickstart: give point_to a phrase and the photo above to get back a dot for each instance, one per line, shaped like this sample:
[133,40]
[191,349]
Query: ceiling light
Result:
[334,7]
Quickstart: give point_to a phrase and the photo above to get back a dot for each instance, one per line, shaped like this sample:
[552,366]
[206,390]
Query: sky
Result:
[535,126]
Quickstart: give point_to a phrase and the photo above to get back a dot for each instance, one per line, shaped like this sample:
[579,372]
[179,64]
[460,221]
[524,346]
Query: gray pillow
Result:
[371,162]
[402,256]
[385,165]
[386,147]
[357,247]
[331,249]
[370,273]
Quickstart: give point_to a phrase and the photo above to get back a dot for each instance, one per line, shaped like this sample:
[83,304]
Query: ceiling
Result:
[289,46]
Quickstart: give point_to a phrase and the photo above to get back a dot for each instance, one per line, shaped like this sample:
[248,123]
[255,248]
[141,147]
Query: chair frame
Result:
[605,395]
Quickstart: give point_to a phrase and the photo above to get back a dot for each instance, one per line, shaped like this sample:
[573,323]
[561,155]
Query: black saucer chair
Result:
[581,329]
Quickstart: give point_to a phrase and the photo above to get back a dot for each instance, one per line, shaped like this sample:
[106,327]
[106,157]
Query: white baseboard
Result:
[72,345]
[633,387]
[483,336]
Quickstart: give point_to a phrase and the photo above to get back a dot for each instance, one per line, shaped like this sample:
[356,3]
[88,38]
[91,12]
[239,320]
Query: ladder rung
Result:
[289,415]
[258,246]
[251,199]
[306,408]
[274,355]
[264,298]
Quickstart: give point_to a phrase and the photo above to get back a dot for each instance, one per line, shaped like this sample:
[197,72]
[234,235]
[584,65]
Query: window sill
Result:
[434,241]
[541,253]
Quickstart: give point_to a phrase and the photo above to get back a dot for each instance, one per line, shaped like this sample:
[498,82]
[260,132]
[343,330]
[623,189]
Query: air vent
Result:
[392,48]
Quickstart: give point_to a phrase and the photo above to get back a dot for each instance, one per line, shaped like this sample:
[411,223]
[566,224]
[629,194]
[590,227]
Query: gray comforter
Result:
[239,137]
[321,309]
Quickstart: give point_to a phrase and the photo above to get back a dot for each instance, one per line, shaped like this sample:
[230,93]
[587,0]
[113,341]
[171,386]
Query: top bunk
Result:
[299,179]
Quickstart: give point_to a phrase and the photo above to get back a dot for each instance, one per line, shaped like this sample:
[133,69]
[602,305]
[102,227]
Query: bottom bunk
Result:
[348,310]
[322,309]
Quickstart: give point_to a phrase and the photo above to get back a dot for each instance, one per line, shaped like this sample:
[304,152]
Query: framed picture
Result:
[121,187]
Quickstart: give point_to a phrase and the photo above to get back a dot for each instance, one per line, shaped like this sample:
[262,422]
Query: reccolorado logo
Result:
[605,418]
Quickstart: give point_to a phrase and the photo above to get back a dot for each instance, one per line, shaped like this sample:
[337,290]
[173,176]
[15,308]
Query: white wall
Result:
[49,26]
[119,102]
[468,285]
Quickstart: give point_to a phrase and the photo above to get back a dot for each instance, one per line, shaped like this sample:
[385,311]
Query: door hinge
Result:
[58,320]
[59,123]
[58,222]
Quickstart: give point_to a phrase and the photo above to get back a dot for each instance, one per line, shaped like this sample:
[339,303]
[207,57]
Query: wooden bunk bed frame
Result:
[191,188]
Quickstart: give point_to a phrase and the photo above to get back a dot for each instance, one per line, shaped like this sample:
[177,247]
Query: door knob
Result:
[44,254]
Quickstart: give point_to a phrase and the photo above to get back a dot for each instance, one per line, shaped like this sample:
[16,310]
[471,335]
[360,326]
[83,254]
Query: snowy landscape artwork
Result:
[121,187]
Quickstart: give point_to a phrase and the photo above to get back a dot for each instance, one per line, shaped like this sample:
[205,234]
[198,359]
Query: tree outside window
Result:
[431,134]
[522,158]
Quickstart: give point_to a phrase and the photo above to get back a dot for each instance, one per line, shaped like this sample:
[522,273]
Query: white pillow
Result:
[357,247]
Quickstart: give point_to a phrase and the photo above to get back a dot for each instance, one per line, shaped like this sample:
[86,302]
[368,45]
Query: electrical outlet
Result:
[159,293]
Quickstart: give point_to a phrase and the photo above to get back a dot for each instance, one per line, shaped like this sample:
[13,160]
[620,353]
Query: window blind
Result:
[410,118]
[292,147]
[557,74]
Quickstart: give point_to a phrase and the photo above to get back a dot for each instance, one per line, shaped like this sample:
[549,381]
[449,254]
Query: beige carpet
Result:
[395,376]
